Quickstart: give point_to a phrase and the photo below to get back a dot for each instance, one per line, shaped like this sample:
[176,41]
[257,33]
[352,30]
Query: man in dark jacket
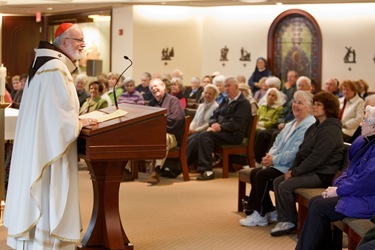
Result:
[227,125]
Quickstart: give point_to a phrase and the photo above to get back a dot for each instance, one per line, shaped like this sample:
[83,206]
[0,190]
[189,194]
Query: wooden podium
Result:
[106,148]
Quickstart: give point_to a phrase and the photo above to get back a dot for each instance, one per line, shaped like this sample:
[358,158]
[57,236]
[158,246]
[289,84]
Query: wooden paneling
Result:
[20,36]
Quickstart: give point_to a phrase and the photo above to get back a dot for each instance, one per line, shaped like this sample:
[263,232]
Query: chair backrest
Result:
[251,131]
[251,138]
[186,134]
[345,160]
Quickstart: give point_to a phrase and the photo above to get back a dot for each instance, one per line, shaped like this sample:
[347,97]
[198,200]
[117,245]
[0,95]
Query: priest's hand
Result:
[88,122]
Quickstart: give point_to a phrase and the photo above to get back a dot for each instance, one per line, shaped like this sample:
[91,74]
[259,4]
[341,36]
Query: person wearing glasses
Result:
[351,195]
[42,207]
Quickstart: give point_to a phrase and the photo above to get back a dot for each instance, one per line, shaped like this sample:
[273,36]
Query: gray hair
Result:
[218,78]
[370,100]
[307,96]
[195,79]
[81,78]
[146,75]
[233,79]
[304,79]
[177,73]
[58,40]
[274,82]
[179,82]
[129,79]
[370,111]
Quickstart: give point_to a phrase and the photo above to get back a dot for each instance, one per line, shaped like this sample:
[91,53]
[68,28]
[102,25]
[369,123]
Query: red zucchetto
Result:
[62,28]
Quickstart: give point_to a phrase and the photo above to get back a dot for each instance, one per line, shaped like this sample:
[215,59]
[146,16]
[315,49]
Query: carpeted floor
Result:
[181,215]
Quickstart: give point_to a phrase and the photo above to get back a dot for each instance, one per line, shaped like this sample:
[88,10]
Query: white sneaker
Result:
[255,219]
[282,228]
[272,216]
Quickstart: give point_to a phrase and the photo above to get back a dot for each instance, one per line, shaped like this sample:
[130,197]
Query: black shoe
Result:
[205,177]
[127,176]
[167,172]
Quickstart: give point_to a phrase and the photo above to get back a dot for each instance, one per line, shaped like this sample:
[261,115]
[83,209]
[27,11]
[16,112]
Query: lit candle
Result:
[3,75]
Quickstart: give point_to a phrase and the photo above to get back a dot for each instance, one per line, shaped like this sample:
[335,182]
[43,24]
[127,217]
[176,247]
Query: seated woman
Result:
[269,113]
[317,161]
[218,81]
[260,209]
[195,92]
[352,194]
[263,89]
[205,109]
[246,91]
[261,70]
[362,88]
[177,90]
[131,95]
[112,90]
[351,109]
[95,101]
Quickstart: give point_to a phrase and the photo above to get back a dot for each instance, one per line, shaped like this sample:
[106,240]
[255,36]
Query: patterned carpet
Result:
[181,215]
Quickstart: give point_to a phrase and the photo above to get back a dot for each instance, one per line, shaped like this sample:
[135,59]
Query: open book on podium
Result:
[101,116]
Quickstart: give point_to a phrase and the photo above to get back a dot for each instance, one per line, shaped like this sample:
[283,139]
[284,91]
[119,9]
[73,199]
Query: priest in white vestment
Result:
[42,208]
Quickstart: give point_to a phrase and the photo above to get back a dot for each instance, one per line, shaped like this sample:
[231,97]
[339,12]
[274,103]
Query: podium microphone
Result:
[114,86]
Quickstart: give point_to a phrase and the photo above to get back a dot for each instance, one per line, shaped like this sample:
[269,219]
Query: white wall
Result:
[198,34]
[122,45]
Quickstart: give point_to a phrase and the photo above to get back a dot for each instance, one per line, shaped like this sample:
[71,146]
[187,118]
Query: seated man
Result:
[175,121]
[227,125]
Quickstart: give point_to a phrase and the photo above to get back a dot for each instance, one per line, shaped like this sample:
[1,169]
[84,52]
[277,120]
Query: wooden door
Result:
[20,36]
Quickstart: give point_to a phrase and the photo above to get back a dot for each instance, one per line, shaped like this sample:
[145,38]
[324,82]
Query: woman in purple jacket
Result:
[352,194]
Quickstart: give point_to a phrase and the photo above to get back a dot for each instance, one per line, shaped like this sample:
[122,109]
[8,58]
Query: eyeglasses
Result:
[76,39]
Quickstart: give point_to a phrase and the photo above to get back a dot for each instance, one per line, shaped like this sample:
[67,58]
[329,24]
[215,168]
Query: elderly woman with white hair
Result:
[177,90]
[352,194]
[205,109]
[260,209]
[273,82]
[80,82]
[269,113]
[218,81]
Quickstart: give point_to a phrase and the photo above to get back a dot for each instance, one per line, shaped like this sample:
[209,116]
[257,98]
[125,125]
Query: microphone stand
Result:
[114,86]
